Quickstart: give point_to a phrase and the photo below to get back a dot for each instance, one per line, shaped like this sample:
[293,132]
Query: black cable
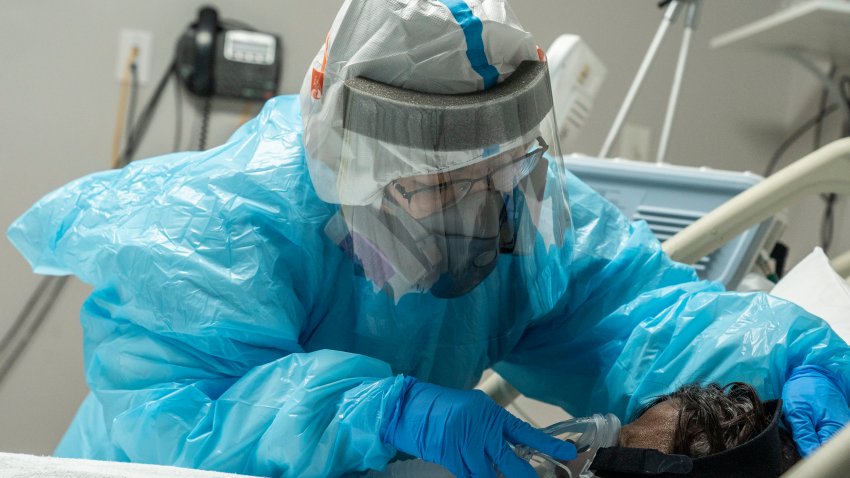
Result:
[205,122]
[799,132]
[844,89]
[824,95]
[779,254]
[178,113]
[57,284]
[25,312]
[827,228]
[141,125]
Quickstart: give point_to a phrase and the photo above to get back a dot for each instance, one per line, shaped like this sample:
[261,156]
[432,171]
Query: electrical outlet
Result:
[634,142]
[141,39]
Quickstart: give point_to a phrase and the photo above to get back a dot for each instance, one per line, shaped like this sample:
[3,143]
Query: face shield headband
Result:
[760,457]
[391,133]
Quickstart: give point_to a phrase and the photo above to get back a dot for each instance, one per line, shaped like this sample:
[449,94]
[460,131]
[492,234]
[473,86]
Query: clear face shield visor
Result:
[434,189]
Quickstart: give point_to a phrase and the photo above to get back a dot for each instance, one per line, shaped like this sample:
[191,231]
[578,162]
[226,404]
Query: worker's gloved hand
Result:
[814,406]
[466,432]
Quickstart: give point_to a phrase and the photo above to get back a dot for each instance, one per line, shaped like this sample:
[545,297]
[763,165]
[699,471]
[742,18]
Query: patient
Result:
[727,431]
[711,421]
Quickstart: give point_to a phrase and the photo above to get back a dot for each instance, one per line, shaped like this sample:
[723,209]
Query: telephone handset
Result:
[214,59]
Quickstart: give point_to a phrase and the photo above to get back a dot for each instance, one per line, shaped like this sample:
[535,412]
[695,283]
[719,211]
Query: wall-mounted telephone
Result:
[214,59]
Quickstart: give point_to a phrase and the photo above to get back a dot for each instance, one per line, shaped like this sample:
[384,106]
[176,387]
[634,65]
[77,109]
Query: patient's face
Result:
[654,429]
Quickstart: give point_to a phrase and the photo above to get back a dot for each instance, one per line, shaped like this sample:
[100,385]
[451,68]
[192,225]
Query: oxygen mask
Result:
[589,434]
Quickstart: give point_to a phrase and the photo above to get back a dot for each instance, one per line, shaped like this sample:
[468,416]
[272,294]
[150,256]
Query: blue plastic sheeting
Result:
[226,332]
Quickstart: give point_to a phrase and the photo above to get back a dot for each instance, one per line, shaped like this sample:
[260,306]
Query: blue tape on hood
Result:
[472,30]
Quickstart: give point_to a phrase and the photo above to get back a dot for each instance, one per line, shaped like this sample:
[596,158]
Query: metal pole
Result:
[669,18]
[690,26]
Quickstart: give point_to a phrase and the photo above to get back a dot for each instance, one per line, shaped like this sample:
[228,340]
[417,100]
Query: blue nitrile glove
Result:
[466,432]
[814,406]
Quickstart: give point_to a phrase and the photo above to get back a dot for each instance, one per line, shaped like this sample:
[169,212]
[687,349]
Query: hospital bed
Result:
[826,170]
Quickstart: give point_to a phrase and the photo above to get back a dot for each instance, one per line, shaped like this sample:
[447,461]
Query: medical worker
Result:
[320,292]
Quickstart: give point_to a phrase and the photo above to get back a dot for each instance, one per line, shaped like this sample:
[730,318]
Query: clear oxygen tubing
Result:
[690,26]
[669,17]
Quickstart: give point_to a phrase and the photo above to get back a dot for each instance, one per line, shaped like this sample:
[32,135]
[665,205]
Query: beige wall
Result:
[58,98]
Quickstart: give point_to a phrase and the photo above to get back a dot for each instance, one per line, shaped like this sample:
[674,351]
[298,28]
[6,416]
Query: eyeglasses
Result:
[504,178]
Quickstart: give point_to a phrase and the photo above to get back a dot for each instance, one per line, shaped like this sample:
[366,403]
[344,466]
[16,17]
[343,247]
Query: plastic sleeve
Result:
[304,414]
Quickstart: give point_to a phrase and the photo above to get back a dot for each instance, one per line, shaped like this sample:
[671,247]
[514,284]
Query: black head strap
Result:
[640,461]
[760,457]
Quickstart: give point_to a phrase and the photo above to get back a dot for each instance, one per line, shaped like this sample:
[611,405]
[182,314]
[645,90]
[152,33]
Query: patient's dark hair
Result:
[714,418]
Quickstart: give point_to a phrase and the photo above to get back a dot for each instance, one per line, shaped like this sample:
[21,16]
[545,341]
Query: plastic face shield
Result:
[589,434]
[434,189]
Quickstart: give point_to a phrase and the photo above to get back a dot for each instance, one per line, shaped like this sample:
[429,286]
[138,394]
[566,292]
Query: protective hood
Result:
[432,46]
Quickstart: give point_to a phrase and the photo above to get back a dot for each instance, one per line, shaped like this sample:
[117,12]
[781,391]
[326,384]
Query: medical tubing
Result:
[669,18]
[684,49]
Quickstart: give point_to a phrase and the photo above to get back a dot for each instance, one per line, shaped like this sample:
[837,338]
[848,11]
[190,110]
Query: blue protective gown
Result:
[226,332]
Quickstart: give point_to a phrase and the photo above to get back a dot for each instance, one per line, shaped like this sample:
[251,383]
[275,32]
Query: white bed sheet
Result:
[815,286]
[14,465]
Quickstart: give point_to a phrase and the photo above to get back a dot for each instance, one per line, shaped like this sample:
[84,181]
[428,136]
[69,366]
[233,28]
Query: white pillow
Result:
[815,286]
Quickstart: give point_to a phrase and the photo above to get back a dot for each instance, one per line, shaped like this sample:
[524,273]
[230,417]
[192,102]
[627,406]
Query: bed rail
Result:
[826,170]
